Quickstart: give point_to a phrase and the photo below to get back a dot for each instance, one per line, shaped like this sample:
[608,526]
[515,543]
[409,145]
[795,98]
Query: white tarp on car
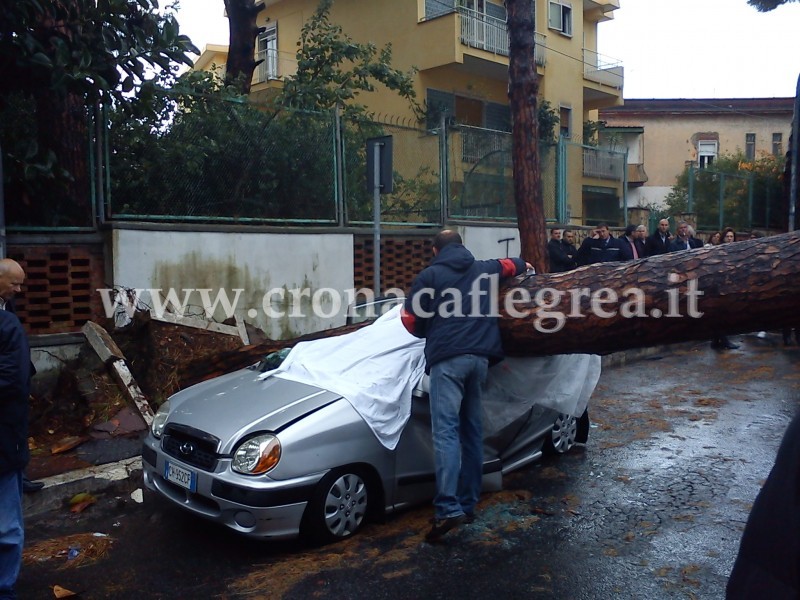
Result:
[374,368]
[377,367]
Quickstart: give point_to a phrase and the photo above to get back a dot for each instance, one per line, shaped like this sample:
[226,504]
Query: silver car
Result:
[274,458]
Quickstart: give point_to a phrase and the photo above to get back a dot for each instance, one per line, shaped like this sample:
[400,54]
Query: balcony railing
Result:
[602,69]
[479,30]
[602,163]
[269,68]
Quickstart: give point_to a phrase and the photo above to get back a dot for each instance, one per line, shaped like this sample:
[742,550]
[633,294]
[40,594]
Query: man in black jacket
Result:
[600,247]
[451,306]
[12,277]
[557,251]
[15,361]
[684,240]
[659,242]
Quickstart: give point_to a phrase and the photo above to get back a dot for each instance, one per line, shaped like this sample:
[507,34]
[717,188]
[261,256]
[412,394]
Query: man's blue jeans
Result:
[11,532]
[456,414]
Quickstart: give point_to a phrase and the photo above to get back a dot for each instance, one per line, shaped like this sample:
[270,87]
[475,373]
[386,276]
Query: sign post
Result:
[379,181]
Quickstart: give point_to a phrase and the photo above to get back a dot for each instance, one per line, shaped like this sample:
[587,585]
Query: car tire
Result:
[562,436]
[338,507]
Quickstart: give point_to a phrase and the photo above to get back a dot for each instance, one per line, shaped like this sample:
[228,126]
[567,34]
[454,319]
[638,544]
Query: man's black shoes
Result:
[29,486]
[442,526]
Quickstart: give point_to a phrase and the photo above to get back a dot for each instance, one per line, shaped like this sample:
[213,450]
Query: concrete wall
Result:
[253,262]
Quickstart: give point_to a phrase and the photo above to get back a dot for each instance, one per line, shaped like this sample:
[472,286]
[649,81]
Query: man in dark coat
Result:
[684,240]
[768,563]
[630,245]
[12,277]
[451,306]
[659,242]
[557,249]
[15,382]
[600,247]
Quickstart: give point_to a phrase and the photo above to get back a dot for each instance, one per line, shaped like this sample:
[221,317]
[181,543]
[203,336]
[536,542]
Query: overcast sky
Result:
[669,48]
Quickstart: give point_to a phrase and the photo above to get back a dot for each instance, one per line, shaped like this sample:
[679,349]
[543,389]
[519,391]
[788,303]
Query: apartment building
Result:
[662,137]
[461,50]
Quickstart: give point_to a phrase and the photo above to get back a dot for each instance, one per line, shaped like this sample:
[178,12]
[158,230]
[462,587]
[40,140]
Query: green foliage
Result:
[734,192]
[591,131]
[333,69]
[57,58]
[86,47]
[548,120]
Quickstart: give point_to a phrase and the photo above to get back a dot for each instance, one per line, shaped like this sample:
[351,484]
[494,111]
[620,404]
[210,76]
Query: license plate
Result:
[180,476]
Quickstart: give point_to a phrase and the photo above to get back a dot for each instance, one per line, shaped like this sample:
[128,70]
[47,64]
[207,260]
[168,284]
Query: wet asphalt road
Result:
[653,507]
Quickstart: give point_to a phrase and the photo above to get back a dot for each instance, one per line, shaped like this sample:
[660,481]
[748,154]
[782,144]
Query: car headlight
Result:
[258,455]
[157,426]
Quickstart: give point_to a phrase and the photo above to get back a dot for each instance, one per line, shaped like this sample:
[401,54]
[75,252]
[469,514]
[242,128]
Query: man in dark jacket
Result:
[768,563]
[600,247]
[684,240]
[12,277]
[557,249]
[630,245]
[450,305]
[15,361]
[659,242]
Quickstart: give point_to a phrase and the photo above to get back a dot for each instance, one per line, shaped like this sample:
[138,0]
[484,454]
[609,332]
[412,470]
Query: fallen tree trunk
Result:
[681,296]
[733,288]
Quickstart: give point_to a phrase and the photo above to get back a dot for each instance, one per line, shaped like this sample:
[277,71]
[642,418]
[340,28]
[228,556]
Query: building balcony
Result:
[479,42]
[479,30]
[599,10]
[603,79]
[603,164]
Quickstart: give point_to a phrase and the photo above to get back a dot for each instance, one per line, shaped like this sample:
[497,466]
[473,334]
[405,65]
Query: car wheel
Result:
[562,435]
[338,506]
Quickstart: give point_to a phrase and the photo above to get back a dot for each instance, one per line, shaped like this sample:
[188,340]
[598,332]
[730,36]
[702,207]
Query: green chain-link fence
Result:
[481,175]
[734,200]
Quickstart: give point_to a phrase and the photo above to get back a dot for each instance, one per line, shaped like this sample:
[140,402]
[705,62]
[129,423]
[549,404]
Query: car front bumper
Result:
[258,507]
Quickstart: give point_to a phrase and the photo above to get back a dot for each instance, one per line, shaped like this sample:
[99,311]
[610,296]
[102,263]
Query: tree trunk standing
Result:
[242,46]
[523,88]
[682,296]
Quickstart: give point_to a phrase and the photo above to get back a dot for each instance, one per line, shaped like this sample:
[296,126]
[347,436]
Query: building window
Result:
[777,144]
[560,16]
[750,146]
[267,51]
[565,121]
[706,153]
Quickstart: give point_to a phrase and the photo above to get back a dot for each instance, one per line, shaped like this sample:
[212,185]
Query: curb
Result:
[58,489]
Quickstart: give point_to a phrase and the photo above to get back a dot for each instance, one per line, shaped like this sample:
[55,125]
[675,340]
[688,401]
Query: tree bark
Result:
[523,89]
[241,62]
[689,295]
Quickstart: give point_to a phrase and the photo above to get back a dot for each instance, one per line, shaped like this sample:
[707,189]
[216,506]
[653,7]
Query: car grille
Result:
[191,446]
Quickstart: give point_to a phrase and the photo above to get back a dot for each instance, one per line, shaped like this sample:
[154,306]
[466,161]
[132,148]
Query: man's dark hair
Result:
[629,230]
[602,226]
[445,238]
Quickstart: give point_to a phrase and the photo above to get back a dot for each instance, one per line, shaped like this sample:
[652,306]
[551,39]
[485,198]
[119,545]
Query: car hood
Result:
[236,404]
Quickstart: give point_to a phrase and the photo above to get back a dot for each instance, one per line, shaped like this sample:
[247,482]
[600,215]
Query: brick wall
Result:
[59,294]
[401,259]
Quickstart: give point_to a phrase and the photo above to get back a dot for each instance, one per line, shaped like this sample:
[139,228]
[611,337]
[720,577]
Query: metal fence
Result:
[481,175]
[734,200]
[202,159]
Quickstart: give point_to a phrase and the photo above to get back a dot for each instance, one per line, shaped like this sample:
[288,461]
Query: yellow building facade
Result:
[460,51]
